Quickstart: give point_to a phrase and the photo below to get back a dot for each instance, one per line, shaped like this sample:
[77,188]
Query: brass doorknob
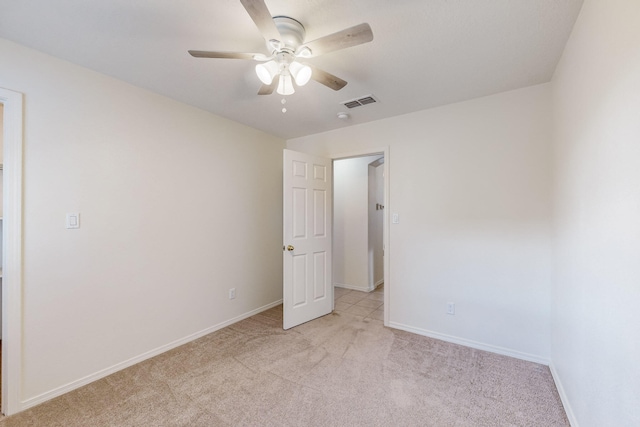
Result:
[290,248]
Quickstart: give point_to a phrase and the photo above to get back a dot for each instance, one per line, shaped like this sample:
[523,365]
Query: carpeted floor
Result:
[340,370]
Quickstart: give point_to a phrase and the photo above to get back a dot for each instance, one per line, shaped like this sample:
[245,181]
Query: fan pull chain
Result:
[284,101]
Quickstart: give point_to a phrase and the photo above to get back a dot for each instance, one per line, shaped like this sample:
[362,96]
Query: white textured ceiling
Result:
[425,53]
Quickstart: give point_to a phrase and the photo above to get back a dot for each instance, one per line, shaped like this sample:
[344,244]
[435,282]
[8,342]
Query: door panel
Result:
[299,213]
[320,213]
[307,288]
[299,280]
[319,275]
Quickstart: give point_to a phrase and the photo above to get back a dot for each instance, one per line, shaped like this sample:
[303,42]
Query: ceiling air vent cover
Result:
[353,103]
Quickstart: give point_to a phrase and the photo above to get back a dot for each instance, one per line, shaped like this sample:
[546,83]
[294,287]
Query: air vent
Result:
[369,99]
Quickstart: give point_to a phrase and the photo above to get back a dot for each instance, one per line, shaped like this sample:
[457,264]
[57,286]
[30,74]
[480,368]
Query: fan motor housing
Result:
[291,30]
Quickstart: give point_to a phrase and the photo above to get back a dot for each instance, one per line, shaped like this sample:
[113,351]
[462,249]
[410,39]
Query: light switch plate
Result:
[395,218]
[73,220]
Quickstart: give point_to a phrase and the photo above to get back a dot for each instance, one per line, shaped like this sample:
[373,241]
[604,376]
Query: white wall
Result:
[472,184]
[175,204]
[350,226]
[595,317]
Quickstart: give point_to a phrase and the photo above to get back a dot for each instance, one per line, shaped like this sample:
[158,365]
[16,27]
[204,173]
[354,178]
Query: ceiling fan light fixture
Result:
[267,71]
[301,73]
[285,85]
[285,39]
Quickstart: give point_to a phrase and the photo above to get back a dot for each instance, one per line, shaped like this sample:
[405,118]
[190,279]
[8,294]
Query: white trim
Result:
[144,356]
[563,396]
[386,242]
[12,252]
[353,287]
[387,207]
[362,153]
[473,344]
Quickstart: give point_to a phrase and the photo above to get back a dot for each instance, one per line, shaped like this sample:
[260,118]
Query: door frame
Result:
[12,251]
[385,151]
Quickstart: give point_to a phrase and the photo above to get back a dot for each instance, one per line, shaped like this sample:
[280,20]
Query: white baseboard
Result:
[563,396]
[378,283]
[25,404]
[473,344]
[353,287]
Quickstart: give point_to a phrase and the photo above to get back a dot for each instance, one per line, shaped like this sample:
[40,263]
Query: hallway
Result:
[369,305]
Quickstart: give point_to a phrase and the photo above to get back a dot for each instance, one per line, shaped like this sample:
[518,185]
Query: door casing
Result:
[12,252]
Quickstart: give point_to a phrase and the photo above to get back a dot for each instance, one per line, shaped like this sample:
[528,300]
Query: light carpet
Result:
[338,370]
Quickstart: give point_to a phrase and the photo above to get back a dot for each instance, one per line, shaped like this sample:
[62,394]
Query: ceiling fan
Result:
[286,45]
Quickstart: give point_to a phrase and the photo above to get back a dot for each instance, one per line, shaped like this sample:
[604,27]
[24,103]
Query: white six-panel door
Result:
[307,288]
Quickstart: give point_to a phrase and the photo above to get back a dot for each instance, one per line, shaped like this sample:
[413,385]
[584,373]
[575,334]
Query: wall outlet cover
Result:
[451,308]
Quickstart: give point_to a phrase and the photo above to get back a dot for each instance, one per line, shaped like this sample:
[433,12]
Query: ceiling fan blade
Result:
[261,16]
[327,79]
[342,39]
[227,55]
[268,89]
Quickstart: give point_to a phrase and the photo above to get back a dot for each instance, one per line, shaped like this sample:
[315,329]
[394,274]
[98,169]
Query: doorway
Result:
[360,237]
[308,272]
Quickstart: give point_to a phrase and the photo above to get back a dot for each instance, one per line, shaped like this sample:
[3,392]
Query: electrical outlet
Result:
[451,308]
[232,293]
